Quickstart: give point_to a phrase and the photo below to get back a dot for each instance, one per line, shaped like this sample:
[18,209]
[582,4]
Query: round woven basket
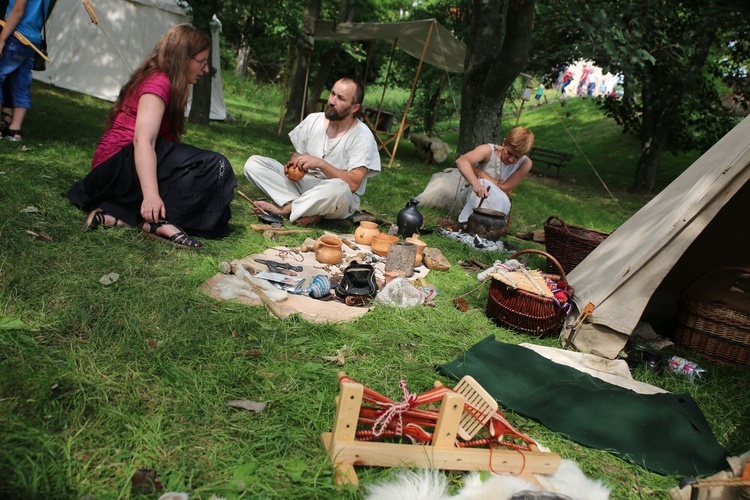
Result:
[524,311]
[712,329]
[569,244]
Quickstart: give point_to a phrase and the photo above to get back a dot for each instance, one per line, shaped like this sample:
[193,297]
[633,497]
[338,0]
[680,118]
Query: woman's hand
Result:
[480,190]
[153,210]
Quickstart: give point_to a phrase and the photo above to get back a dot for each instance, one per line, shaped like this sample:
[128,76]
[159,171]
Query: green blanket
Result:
[666,433]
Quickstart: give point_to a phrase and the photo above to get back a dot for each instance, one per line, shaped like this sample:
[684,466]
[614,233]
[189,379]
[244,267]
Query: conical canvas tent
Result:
[427,40]
[98,59]
[695,225]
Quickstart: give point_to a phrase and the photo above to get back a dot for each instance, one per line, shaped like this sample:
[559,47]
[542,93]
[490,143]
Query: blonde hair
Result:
[520,140]
[171,56]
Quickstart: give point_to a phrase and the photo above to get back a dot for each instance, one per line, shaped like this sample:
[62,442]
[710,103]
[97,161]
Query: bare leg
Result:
[260,207]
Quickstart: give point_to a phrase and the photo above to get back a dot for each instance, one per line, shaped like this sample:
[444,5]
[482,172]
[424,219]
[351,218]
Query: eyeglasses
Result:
[204,63]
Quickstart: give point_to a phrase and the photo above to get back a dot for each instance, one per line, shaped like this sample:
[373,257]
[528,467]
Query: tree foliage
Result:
[672,57]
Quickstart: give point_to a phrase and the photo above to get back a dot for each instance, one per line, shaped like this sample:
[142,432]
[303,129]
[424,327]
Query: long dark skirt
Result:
[196,186]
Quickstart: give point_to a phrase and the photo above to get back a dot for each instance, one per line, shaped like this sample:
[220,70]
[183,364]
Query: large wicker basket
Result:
[569,244]
[524,311]
[712,329]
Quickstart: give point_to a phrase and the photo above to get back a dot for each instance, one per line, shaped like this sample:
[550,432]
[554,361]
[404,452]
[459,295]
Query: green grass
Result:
[104,380]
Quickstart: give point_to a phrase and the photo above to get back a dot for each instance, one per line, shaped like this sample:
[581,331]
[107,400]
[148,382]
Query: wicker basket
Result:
[524,311]
[569,244]
[712,329]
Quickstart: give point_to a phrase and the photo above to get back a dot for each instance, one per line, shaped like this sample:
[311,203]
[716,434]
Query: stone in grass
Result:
[433,258]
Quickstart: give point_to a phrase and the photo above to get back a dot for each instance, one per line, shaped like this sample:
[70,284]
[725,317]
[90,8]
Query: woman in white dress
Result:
[492,171]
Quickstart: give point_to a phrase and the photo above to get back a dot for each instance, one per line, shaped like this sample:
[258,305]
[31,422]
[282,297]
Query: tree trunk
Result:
[346,15]
[243,55]
[498,52]
[661,102]
[302,63]
[200,107]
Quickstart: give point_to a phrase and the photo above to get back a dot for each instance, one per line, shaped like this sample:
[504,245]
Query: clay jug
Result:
[328,250]
[364,233]
[421,245]
[409,220]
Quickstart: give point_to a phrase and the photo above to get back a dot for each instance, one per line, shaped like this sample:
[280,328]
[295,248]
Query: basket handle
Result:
[704,275]
[545,254]
[558,219]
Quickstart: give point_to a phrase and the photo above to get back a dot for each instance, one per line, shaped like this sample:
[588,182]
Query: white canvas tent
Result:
[695,225]
[98,59]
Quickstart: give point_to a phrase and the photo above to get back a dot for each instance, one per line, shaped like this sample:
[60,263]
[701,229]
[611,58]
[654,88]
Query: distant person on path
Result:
[539,94]
[592,84]
[493,171]
[583,81]
[335,152]
[567,78]
[142,175]
[25,17]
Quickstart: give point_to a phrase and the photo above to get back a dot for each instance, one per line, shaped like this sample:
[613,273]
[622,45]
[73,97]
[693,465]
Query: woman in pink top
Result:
[142,175]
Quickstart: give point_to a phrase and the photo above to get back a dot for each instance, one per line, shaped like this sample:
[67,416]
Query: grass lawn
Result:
[98,381]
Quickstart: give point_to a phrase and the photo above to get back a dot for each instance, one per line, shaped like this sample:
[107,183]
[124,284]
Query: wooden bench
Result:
[550,157]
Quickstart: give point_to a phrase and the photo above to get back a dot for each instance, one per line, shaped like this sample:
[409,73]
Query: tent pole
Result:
[367,65]
[307,83]
[437,103]
[385,84]
[411,95]
[284,89]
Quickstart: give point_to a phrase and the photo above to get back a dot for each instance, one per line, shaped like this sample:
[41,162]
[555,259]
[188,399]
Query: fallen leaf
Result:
[339,357]
[30,209]
[108,279]
[145,481]
[252,352]
[247,405]
[153,343]
[40,235]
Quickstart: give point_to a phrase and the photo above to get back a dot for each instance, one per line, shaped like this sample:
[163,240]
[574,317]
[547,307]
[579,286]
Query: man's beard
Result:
[333,115]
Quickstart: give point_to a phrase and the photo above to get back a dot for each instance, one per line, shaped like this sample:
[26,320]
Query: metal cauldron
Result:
[486,223]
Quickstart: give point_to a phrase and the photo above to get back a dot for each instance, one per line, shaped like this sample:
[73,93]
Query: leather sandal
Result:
[180,239]
[13,135]
[97,218]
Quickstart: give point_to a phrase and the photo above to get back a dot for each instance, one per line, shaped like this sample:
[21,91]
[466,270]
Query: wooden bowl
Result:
[381,242]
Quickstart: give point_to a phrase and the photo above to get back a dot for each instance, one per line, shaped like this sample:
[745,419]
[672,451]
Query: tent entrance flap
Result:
[426,40]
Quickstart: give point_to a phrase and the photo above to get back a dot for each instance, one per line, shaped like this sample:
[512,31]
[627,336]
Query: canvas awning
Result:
[427,40]
[444,51]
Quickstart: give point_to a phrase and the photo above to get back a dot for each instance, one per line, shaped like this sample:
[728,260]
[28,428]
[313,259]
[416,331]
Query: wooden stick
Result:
[252,202]
[26,41]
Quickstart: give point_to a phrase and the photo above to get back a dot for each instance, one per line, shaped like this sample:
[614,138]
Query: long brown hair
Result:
[171,56]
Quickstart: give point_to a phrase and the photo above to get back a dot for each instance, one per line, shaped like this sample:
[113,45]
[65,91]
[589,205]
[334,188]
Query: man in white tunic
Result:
[337,154]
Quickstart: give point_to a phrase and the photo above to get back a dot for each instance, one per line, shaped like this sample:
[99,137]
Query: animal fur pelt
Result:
[567,483]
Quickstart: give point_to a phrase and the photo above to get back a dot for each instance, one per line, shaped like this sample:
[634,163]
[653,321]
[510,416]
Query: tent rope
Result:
[586,158]
[450,84]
